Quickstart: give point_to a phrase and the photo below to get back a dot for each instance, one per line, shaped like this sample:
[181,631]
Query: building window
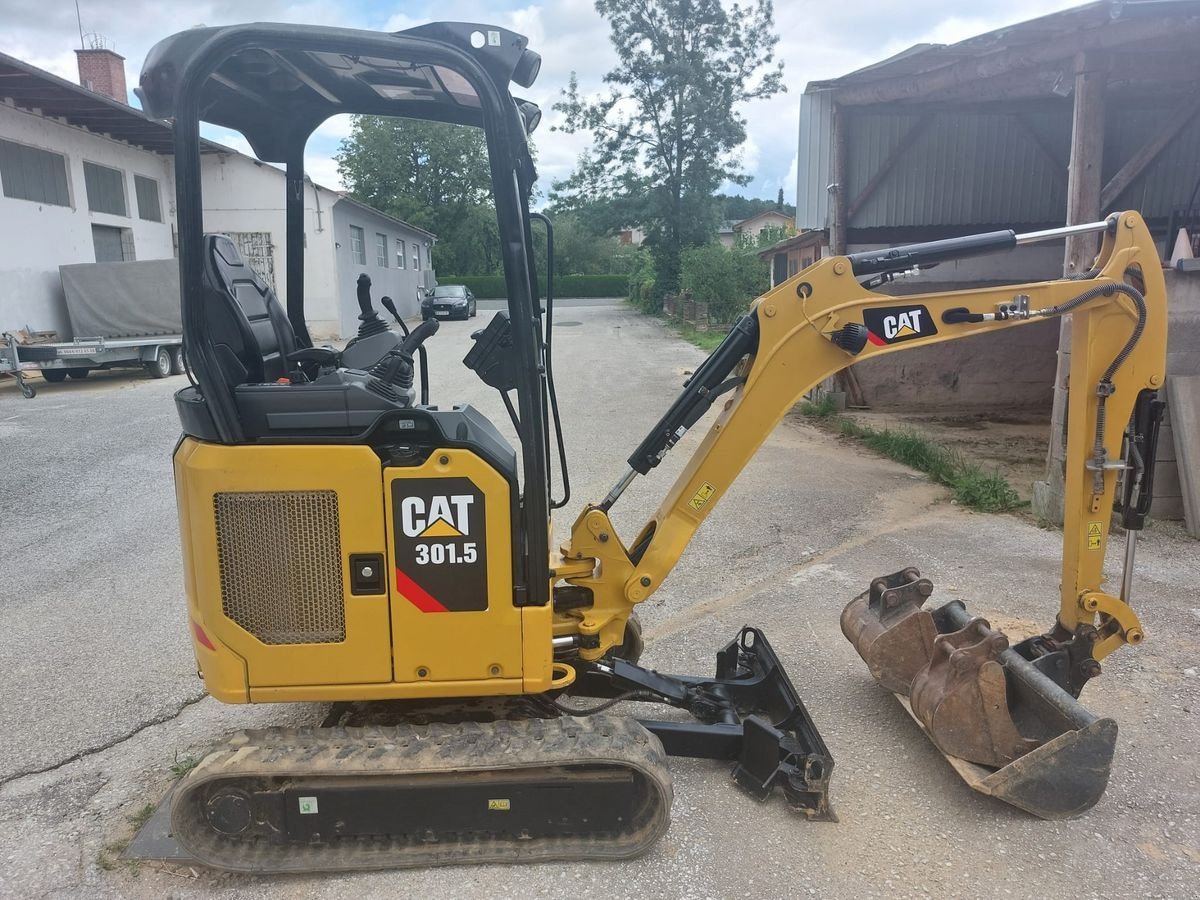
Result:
[416,256]
[358,248]
[113,244]
[105,189]
[149,207]
[401,262]
[381,250]
[32,174]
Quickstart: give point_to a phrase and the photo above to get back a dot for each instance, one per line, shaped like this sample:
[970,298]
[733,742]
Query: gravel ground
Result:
[100,695]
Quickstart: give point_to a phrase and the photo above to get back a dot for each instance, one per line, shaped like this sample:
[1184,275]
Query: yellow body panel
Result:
[204,470]
[471,646]
[388,642]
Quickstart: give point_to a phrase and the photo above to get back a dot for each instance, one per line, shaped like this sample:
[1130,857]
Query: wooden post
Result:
[1083,205]
[839,198]
[1087,156]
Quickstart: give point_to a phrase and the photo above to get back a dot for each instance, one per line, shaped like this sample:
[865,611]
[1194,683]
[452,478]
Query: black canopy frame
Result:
[267,81]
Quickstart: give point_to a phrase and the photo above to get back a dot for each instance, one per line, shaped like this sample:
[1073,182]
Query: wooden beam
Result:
[1148,152]
[1061,48]
[1083,205]
[1057,165]
[837,169]
[1087,158]
[907,139]
[1036,83]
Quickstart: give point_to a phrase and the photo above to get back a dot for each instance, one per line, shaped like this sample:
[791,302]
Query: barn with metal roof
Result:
[1056,120]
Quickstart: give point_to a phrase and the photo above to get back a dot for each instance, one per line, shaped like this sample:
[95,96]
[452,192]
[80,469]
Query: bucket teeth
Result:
[890,630]
[962,697]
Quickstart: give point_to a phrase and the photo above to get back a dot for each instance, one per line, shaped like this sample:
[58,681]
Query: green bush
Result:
[491,287]
[727,280]
[641,283]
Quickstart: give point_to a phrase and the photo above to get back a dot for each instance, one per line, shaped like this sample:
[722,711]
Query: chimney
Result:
[103,71]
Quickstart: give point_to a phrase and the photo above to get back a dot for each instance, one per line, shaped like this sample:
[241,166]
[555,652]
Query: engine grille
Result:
[281,565]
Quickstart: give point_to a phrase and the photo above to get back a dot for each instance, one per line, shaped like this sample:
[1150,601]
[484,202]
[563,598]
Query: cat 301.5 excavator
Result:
[347,542]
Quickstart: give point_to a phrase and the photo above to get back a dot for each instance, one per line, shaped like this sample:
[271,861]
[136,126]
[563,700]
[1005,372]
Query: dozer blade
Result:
[1009,730]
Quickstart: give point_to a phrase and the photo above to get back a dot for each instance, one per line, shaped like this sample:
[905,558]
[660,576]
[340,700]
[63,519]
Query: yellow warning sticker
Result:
[498,804]
[1095,535]
[702,495]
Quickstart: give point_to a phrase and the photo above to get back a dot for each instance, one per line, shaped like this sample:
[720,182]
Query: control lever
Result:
[418,336]
[369,321]
[396,368]
[390,306]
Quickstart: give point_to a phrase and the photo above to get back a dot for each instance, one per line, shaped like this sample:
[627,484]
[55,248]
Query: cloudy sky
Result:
[817,41]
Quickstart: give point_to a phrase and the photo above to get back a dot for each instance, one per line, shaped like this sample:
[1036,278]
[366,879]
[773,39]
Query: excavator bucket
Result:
[1008,729]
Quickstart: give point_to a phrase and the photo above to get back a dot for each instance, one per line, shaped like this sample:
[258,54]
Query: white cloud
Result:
[323,170]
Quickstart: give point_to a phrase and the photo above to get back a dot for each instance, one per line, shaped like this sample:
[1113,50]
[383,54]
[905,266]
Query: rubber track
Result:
[300,753]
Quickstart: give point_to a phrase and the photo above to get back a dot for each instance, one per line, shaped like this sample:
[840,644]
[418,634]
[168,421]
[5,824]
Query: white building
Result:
[86,178]
[244,198]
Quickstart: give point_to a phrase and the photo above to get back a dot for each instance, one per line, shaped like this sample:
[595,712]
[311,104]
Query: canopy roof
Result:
[279,82]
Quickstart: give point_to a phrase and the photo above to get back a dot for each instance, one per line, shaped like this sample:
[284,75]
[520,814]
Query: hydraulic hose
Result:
[1104,389]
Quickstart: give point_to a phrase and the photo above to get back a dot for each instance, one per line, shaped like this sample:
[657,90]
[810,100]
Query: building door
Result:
[258,252]
[112,244]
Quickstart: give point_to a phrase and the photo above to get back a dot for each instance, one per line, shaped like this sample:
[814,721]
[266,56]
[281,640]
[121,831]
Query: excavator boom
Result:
[981,701]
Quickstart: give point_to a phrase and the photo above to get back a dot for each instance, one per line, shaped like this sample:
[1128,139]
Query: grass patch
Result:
[181,766]
[708,341]
[142,816]
[971,485]
[824,408]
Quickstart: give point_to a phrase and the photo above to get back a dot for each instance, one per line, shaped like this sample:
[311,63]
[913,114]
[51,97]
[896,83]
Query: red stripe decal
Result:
[417,595]
[876,339]
[201,636]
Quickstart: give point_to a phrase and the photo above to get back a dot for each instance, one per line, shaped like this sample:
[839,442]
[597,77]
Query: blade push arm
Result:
[820,321]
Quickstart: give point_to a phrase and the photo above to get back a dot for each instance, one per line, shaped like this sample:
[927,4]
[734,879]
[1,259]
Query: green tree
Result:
[666,132]
[430,174]
[727,280]
[735,208]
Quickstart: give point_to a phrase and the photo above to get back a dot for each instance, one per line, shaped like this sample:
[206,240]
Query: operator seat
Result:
[248,327]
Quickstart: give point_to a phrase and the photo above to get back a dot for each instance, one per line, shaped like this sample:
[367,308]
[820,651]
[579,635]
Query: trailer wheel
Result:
[178,366]
[160,366]
[78,373]
[27,389]
[54,376]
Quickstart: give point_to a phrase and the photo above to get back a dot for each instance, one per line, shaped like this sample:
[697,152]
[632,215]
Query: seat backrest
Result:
[247,325]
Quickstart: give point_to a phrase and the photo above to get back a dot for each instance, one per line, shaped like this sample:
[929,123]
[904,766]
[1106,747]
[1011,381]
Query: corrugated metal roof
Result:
[813,160]
[961,169]
[985,168]
[1169,180]
[998,153]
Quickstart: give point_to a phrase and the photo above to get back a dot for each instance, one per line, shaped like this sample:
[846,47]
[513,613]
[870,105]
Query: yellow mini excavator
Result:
[347,542]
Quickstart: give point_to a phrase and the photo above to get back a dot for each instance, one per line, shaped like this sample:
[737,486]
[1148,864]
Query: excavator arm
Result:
[987,706]
[822,320]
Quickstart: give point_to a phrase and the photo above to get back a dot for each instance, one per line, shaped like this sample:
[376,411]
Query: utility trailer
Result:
[160,355]
[122,314]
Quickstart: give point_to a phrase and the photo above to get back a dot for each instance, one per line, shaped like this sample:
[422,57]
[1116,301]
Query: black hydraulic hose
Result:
[1105,388]
[634,695]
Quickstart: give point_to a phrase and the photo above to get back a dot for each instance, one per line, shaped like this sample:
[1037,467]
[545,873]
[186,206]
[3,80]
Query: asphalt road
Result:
[100,696]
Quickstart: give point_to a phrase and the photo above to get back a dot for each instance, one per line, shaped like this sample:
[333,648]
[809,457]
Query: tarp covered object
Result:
[123,299]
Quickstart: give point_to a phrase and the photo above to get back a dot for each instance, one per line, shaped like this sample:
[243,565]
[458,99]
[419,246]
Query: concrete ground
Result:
[100,696]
